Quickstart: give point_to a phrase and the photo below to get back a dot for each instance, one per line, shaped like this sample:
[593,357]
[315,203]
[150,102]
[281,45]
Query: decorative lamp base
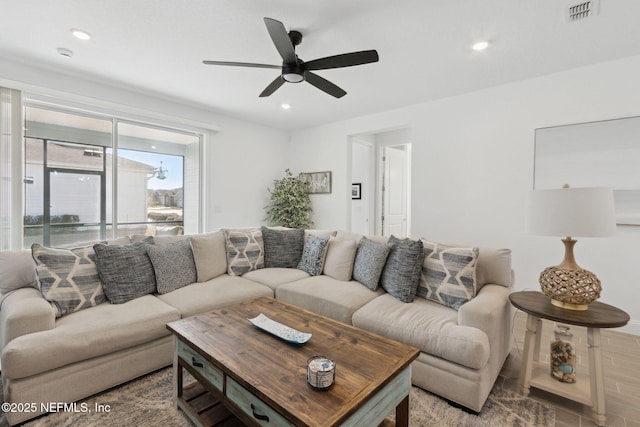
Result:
[569,288]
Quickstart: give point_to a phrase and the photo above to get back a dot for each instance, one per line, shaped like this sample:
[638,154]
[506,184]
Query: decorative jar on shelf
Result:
[563,355]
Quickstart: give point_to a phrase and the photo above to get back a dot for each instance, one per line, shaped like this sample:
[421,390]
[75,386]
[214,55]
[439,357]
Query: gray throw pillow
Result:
[448,274]
[401,273]
[126,271]
[282,248]
[68,278]
[173,265]
[312,260]
[370,260]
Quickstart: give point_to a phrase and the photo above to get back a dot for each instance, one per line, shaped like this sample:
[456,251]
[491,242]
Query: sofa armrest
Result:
[491,312]
[24,311]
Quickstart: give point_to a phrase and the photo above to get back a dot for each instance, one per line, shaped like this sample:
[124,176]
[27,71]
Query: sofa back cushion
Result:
[126,271]
[68,278]
[494,266]
[17,270]
[448,274]
[401,273]
[245,250]
[173,265]
[319,233]
[209,254]
[282,248]
[340,257]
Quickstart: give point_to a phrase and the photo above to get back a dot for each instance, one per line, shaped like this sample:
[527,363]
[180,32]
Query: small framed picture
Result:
[356,191]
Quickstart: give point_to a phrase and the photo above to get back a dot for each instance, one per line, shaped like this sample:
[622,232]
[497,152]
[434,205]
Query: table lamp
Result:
[577,212]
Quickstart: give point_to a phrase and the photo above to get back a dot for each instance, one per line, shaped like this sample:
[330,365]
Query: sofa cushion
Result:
[340,257]
[173,265]
[370,260]
[313,254]
[209,254]
[327,296]
[426,325]
[17,270]
[169,238]
[448,274]
[401,273]
[68,278]
[104,329]
[282,248]
[319,233]
[245,250]
[494,266]
[215,293]
[126,271]
[276,276]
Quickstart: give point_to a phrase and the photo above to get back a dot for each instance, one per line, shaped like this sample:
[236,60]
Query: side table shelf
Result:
[579,391]
[588,389]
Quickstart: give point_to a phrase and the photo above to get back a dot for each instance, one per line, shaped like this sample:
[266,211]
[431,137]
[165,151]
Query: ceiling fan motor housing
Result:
[296,37]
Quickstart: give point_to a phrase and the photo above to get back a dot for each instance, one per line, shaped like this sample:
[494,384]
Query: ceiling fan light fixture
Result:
[293,77]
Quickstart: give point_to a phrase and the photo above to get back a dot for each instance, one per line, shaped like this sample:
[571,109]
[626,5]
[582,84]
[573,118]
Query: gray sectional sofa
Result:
[63,338]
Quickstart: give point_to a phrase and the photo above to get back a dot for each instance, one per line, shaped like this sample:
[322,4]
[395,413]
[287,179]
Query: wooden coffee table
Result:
[262,380]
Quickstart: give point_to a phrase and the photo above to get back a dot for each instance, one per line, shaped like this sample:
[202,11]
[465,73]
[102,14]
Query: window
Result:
[90,177]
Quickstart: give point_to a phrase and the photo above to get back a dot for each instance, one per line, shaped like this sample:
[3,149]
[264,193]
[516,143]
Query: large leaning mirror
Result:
[595,154]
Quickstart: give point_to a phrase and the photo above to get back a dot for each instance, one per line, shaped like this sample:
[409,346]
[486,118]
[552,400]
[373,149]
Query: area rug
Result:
[148,402]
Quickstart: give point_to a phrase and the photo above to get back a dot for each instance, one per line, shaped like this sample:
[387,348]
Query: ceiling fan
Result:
[294,69]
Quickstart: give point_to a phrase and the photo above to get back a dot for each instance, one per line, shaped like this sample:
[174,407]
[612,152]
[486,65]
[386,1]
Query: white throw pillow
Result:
[340,256]
[209,254]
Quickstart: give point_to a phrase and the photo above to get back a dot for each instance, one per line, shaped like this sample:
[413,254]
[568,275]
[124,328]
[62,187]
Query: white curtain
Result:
[10,169]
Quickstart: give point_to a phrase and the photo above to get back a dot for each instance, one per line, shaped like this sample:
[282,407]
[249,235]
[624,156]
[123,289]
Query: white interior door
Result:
[394,191]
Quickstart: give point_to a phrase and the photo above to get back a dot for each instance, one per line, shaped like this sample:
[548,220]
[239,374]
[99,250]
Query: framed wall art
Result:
[356,191]
[319,182]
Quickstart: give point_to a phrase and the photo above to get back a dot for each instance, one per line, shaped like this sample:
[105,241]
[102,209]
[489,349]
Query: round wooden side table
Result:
[536,374]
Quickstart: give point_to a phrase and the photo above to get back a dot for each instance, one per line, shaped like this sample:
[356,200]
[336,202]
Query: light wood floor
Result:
[621,354]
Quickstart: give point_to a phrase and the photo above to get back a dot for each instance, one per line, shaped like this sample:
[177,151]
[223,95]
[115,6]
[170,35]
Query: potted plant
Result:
[289,204]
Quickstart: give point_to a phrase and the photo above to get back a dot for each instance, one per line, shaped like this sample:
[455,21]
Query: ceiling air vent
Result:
[582,11]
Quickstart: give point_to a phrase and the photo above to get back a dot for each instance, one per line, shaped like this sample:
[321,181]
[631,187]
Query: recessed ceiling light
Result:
[286,106]
[80,34]
[62,51]
[481,45]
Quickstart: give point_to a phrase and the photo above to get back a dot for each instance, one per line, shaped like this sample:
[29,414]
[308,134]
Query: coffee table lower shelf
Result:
[204,409]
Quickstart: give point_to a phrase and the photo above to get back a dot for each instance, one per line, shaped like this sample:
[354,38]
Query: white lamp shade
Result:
[575,212]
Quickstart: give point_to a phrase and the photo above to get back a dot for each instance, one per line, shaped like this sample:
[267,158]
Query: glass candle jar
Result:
[563,355]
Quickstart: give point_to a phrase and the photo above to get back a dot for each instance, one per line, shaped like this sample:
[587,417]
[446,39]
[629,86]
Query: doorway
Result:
[381,170]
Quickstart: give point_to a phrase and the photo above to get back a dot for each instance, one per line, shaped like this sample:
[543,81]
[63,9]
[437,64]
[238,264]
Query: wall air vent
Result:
[582,11]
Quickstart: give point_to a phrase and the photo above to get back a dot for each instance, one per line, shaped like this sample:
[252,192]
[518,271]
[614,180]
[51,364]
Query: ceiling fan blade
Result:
[273,86]
[241,64]
[344,60]
[324,85]
[281,39]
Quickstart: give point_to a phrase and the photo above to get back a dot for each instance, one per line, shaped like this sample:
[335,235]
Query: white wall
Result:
[473,166]
[243,162]
[241,159]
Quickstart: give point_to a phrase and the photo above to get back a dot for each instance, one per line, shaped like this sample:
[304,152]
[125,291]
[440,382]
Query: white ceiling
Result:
[157,46]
